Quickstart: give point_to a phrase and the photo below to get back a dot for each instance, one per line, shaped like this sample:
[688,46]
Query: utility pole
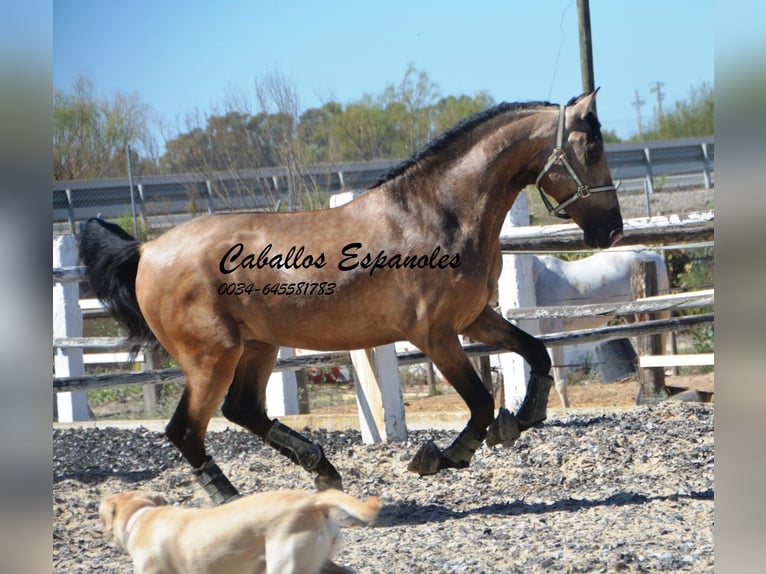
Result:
[586,48]
[637,103]
[132,195]
[656,87]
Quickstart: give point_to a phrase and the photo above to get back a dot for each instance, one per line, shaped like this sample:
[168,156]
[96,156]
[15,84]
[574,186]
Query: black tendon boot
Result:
[304,452]
[534,409]
[211,478]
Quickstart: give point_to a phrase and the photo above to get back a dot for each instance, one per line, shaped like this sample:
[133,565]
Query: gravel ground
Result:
[621,491]
[666,202]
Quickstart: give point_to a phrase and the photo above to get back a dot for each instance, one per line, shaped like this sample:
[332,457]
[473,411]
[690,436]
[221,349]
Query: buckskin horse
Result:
[417,258]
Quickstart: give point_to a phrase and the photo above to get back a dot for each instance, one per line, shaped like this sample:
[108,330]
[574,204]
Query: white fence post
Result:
[282,390]
[516,289]
[67,322]
[379,394]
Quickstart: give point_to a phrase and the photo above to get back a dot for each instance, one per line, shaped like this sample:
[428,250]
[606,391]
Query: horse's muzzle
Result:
[602,238]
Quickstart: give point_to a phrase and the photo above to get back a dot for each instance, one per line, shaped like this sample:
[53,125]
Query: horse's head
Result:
[577,177]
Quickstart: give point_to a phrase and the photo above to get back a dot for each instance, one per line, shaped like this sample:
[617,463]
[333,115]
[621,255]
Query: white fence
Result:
[379,398]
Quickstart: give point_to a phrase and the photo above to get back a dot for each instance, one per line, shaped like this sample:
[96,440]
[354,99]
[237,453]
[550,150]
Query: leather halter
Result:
[559,155]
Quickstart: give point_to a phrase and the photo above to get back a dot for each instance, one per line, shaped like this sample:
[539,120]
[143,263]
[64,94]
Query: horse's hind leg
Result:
[245,405]
[491,329]
[208,374]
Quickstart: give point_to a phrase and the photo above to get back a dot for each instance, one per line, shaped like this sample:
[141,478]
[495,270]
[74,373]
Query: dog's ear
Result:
[107,510]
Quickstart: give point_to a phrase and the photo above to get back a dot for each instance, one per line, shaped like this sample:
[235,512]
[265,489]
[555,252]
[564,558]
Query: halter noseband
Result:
[558,155]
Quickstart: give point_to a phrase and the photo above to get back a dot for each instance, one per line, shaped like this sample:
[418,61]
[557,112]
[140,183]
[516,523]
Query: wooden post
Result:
[152,392]
[302,380]
[67,322]
[516,289]
[586,46]
[430,378]
[379,394]
[282,390]
[652,379]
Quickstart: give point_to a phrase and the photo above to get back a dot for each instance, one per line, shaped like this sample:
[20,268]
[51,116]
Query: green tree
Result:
[409,106]
[450,110]
[90,136]
[688,118]
[363,133]
[316,134]
[390,125]
[610,136]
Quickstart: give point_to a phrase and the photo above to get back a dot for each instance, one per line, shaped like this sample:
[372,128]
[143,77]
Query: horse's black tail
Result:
[110,256]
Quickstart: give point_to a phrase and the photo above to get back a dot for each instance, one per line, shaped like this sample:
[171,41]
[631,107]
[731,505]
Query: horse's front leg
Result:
[491,329]
[448,356]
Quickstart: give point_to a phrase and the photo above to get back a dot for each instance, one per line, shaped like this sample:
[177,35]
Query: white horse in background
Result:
[600,278]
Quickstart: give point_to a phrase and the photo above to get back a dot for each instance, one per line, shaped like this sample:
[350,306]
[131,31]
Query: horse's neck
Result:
[475,188]
[501,166]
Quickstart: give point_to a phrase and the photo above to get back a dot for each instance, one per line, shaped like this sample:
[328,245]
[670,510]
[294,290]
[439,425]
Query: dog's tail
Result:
[365,511]
[110,256]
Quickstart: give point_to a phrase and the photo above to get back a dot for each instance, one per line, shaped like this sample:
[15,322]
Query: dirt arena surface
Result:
[590,395]
[607,487]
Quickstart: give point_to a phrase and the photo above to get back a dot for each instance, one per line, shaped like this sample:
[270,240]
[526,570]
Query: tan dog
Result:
[284,531]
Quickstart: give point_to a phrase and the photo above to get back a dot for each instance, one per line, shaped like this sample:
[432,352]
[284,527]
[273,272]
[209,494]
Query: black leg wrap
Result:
[294,446]
[430,460]
[534,409]
[462,449]
[504,430]
[214,481]
[307,454]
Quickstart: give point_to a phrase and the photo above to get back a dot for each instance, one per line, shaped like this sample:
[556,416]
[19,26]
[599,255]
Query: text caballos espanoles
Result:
[352,257]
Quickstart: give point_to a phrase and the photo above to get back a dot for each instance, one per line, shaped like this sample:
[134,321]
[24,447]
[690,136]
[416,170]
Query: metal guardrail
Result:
[671,164]
[636,163]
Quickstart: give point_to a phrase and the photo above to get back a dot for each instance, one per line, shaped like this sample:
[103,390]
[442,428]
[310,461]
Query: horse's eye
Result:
[593,152]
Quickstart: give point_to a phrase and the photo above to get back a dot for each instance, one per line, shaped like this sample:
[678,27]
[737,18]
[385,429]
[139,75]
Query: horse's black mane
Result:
[438,144]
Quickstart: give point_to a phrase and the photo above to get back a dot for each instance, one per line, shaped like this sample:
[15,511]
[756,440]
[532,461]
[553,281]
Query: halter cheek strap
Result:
[558,155]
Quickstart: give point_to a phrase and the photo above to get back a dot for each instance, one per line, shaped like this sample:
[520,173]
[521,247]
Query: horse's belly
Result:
[330,324]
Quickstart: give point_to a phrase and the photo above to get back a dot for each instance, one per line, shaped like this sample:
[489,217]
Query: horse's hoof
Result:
[328,478]
[427,460]
[327,482]
[219,499]
[504,430]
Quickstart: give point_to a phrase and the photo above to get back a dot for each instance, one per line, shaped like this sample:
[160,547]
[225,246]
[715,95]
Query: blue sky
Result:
[185,56]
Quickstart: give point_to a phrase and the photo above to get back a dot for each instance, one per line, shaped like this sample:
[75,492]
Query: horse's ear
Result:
[584,104]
